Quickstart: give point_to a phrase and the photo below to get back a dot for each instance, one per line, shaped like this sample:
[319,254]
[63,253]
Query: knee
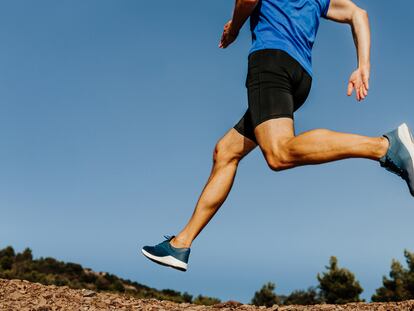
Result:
[223,154]
[278,159]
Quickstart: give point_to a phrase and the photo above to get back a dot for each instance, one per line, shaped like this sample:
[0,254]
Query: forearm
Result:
[345,11]
[362,37]
[242,10]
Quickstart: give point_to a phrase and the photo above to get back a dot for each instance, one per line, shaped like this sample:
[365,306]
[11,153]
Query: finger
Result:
[365,91]
[358,95]
[358,87]
[350,89]
[221,41]
[362,92]
[366,83]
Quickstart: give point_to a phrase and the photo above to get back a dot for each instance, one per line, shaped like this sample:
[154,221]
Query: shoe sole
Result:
[406,138]
[168,261]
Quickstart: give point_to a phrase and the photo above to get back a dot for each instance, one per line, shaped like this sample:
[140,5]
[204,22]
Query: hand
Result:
[359,81]
[228,36]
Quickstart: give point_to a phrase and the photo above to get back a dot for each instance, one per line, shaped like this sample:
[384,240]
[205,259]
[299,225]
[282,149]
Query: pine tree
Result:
[266,296]
[400,285]
[338,285]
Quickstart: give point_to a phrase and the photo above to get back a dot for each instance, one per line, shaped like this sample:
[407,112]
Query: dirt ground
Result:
[25,296]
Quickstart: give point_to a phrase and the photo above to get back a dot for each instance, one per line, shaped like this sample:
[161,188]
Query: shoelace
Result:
[168,237]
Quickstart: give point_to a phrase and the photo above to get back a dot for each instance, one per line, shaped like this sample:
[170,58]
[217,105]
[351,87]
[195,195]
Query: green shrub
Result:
[266,296]
[338,285]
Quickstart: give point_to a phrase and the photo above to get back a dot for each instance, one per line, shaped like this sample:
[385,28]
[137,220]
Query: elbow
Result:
[357,16]
[360,13]
[363,13]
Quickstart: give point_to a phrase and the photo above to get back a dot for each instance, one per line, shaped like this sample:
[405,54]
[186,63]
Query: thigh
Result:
[273,133]
[235,144]
[277,86]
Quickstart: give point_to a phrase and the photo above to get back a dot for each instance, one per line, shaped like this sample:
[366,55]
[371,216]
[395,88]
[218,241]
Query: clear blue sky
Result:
[109,112]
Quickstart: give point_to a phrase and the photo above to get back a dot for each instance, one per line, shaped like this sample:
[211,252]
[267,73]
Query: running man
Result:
[278,82]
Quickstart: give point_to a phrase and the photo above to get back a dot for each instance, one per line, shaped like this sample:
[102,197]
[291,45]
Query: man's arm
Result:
[345,11]
[242,10]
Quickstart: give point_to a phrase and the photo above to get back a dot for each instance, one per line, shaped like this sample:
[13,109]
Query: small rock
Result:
[14,296]
[228,304]
[88,293]
[42,302]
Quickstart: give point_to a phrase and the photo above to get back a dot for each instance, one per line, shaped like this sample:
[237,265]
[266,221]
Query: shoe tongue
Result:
[179,249]
[169,237]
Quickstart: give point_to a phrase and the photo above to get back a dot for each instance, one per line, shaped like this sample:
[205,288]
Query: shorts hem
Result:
[253,139]
[275,116]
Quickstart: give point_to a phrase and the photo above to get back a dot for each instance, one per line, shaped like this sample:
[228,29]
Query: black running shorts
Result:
[277,85]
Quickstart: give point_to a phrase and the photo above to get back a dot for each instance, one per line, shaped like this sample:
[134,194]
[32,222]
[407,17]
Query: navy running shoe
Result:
[167,255]
[400,155]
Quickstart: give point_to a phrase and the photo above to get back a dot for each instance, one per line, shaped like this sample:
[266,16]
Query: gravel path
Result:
[16,295]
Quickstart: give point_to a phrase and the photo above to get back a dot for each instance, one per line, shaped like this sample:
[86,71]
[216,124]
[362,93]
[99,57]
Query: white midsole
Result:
[405,136]
[169,260]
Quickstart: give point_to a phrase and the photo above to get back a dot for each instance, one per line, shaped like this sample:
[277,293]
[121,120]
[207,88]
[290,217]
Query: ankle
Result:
[383,147]
[178,242]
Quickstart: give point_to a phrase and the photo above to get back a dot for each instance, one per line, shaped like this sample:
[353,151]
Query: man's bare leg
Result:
[227,155]
[283,150]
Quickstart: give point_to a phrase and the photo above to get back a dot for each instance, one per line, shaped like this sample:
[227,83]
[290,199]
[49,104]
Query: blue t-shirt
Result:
[289,25]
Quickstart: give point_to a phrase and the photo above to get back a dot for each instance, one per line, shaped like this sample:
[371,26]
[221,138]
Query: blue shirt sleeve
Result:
[325,7]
